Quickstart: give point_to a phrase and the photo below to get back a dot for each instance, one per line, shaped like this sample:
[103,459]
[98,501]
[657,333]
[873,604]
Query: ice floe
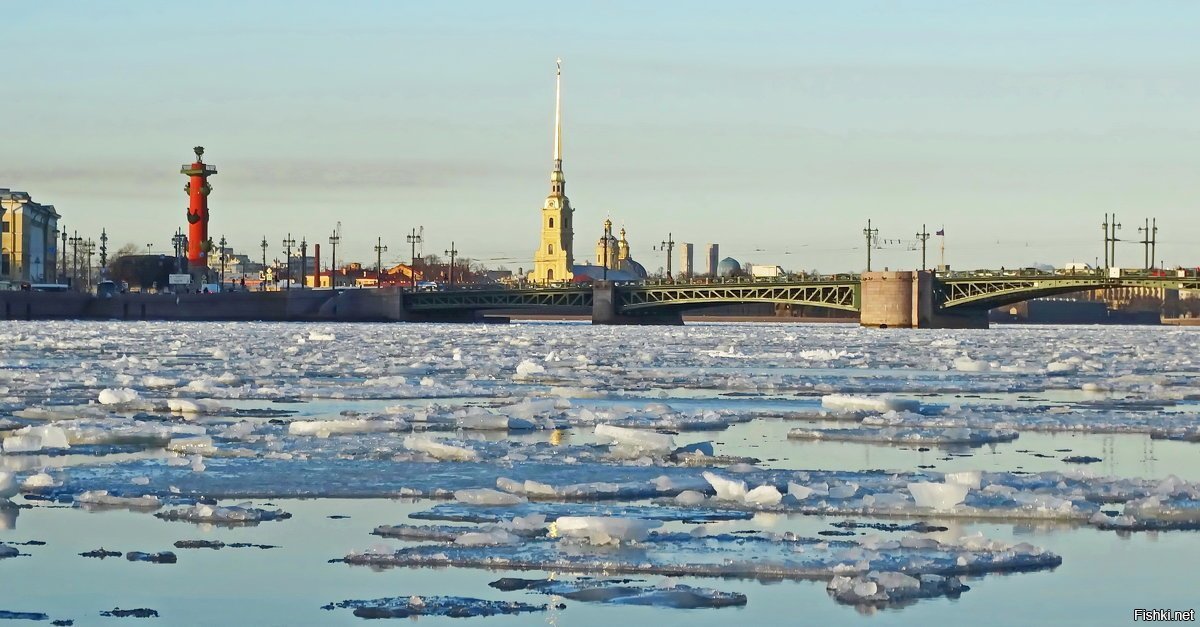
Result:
[449,606]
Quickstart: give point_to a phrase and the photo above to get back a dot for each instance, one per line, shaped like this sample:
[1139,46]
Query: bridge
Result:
[883,299]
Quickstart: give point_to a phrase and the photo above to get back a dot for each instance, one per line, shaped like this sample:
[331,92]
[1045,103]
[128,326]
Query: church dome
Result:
[635,268]
[728,266]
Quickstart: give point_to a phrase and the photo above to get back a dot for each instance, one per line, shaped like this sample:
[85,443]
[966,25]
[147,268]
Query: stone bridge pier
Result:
[908,300]
[606,309]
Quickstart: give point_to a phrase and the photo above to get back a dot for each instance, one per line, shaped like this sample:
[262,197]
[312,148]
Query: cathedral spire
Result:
[558,183]
[558,116]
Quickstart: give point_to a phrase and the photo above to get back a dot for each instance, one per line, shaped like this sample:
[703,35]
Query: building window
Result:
[549,249]
[551,222]
[549,275]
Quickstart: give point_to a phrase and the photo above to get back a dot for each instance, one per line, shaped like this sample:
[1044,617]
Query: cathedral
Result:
[554,261]
[613,261]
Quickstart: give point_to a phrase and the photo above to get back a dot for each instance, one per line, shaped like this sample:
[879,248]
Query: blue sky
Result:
[774,129]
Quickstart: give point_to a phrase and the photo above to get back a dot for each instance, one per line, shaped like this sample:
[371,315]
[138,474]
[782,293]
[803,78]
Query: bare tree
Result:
[124,251]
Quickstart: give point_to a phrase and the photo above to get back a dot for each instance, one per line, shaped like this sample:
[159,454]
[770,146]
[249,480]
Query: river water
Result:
[1127,397]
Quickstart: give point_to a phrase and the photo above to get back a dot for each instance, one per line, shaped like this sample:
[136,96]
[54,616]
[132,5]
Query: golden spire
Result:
[558,117]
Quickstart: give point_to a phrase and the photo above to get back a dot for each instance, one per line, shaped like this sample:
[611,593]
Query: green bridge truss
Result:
[837,294]
[989,292]
[499,298]
[952,292]
[842,295]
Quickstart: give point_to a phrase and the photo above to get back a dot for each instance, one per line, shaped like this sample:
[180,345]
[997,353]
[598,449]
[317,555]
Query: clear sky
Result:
[773,128]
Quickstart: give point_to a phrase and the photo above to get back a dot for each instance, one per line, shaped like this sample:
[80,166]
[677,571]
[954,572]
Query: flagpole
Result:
[942,242]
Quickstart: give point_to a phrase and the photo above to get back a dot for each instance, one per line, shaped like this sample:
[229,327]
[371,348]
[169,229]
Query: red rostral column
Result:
[197,189]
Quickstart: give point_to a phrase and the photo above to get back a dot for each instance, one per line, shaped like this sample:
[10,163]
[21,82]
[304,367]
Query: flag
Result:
[941,232]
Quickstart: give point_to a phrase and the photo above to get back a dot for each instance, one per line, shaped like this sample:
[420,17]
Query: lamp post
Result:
[669,247]
[62,272]
[179,245]
[872,236]
[75,241]
[287,244]
[379,250]
[923,236]
[89,247]
[334,240]
[54,257]
[263,246]
[303,261]
[452,252]
[222,253]
[413,239]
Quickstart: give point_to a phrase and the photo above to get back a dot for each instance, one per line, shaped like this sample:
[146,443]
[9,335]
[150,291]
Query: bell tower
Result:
[554,259]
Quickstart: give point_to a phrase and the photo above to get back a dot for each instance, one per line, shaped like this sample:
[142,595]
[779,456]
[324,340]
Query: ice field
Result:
[571,474]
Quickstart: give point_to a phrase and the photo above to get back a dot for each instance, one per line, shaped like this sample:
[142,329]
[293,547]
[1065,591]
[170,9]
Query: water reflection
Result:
[8,515]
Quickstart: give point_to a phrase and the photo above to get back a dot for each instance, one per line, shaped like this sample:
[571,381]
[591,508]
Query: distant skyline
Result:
[775,129]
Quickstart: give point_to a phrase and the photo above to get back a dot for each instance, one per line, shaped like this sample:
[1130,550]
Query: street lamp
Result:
[263,246]
[303,261]
[452,252]
[222,253]
[287,244]
[333,242]
[62,272]
[75,242]
[89,247]
[414,239]
[379,250]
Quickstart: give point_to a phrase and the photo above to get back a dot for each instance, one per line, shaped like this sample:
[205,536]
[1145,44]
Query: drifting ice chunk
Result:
[727,489]
[487,496]
[526,525]
[970,478]
[602,529]
[884,588]
[938,495]
[730,555]
[231,514]
[764,495]
[101,498]
[487,538]
[326,428]
[32,439]
[799,491]
[152,381]
[637,442]
[192,445]
[439,450]
[689,498]
[193,406]
[625,592]
[459,607]
[38,481]
[22,444]
[848,403]
[527,369]
[51,436]
[966,364]
[117,396]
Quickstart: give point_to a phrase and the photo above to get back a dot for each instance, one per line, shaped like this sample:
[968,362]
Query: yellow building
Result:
[29,245]
[554,260]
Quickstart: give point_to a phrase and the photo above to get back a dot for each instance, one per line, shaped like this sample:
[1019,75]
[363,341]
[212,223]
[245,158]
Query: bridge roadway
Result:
[900,299]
